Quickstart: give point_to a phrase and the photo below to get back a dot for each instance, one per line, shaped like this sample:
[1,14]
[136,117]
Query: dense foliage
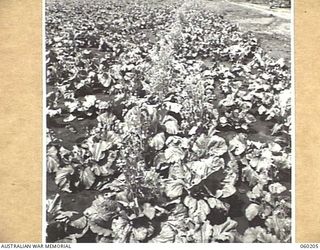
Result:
[178,120]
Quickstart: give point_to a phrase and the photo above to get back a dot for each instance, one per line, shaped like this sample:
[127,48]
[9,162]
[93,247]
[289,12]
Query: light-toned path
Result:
[281,13]
[271,26]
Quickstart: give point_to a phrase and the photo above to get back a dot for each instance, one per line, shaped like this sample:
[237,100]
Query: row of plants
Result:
[176,118]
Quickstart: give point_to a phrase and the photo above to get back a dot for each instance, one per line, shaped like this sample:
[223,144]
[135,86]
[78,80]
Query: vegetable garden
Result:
[175,124]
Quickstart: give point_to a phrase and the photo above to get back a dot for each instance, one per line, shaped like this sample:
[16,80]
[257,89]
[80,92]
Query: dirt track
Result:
[271,26]
[281,13]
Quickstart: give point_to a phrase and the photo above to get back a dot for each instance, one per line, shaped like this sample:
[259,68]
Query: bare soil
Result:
[271,26]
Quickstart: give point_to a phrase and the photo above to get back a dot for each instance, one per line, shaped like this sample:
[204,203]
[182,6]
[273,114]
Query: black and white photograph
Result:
[168,121]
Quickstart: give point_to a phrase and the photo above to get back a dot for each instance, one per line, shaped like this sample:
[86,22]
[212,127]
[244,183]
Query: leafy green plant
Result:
[153,111]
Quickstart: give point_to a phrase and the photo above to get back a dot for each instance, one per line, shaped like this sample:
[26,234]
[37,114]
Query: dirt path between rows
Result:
[271,26]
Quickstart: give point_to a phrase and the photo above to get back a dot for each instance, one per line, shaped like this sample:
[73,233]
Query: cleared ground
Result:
[271,26]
